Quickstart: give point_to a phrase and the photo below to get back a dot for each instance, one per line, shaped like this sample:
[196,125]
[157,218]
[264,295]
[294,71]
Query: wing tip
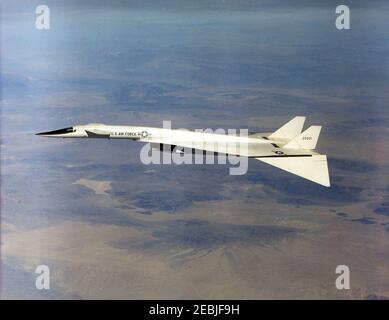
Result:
[312,168]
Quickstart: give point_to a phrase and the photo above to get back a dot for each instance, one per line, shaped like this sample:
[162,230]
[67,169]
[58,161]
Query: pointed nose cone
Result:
[45,134]
[56,133]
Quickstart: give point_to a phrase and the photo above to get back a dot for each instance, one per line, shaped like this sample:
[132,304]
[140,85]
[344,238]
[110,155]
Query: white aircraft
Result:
[288,148]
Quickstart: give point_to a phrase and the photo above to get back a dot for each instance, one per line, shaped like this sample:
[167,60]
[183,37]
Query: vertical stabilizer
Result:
[306,140]
[290,129]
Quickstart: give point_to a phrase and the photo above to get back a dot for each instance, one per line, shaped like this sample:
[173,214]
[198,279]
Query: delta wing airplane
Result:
[288,148]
